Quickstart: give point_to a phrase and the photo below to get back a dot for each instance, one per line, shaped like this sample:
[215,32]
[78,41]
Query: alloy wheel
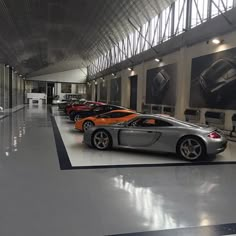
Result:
[191,149]
[101,140]
[77,117]
[87,125]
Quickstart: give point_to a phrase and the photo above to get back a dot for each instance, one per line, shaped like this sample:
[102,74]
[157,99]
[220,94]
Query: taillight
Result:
[214,135]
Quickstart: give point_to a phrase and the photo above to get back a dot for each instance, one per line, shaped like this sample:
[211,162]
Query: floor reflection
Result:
[12,129]
[149,205]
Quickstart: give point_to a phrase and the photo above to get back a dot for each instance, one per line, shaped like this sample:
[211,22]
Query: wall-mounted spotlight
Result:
[7,65]
[130,68]
[113,74]
[16,72]
[95,82]
[158,60]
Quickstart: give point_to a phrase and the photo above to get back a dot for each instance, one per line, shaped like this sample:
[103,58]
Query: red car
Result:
[85,106]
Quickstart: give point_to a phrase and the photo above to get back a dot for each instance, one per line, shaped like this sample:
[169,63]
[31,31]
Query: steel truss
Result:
[180,16]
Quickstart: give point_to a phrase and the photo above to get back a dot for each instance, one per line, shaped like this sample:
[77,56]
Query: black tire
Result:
[86,126]
[191,148]
[105,143]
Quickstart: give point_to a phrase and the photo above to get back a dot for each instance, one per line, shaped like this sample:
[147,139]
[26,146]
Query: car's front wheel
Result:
[87,125]
[191,148]
[102,140]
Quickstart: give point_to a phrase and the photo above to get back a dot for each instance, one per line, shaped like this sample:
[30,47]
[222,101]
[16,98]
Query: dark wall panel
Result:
[103,91]
[115,97]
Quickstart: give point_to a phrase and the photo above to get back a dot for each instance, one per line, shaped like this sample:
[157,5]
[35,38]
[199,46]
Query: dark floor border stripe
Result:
[214,230]
[63,157]
[153,165]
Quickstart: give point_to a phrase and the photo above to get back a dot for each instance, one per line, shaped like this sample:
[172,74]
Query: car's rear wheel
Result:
[87,125]
[191,148]
[77,117]
[102,140]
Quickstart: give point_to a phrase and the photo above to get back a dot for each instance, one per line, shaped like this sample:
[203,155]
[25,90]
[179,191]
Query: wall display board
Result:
[103,91]
[115,97]
[213,81]
[161,85]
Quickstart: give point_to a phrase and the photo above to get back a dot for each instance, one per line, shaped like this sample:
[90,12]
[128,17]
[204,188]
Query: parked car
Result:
[158,133]
[67,103]
[77,115]
[111,117]
[78,107]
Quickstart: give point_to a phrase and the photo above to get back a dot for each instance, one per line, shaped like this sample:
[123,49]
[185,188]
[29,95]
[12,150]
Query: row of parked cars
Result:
[106,126]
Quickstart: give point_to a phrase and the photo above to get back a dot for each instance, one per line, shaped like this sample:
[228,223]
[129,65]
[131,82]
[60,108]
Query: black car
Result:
[74,116]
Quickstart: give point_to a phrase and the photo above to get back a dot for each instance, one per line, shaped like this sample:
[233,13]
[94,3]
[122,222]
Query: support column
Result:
[183,84]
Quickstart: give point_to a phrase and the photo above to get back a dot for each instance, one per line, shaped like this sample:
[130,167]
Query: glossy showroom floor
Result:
[38,198]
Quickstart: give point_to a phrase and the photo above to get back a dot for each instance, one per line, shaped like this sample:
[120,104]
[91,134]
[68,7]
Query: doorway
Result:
[50,92]
[133,92]
[96,93]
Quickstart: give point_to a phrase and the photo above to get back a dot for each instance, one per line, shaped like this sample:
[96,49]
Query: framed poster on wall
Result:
[213,80]
[161,85]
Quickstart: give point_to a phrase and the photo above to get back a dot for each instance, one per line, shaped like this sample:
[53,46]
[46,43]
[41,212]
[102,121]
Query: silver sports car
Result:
[158,133]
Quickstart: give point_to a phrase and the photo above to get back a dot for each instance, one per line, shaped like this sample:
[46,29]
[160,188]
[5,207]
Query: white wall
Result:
[183,58]
[70,76]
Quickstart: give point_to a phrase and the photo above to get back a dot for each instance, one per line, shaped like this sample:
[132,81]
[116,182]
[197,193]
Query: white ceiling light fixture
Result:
[217,41]
[158,60]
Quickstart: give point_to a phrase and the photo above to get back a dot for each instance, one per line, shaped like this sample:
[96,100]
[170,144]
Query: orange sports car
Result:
[112,117]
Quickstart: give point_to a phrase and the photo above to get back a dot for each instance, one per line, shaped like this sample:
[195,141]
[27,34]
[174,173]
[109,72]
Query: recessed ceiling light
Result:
[216,41]
[157,60]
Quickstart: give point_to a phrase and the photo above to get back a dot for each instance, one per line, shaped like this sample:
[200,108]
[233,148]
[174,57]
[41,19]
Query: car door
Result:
[140,133]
